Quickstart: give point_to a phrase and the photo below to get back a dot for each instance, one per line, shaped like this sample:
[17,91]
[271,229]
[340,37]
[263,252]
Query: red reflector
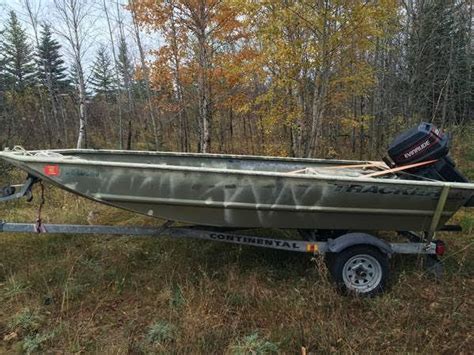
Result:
[440,248]
[51,170]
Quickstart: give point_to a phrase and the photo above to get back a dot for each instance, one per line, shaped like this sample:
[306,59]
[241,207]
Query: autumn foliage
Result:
[292,67]
[320,78]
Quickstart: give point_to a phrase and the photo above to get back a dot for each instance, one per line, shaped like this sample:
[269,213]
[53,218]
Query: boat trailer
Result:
[358,261]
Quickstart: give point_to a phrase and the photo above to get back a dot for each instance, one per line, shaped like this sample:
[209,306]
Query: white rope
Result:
[18,149]
[48,154]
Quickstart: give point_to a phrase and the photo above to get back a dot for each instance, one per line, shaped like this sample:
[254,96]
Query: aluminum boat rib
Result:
[249,191]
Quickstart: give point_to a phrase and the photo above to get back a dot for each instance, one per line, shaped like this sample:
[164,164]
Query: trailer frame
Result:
[316,247]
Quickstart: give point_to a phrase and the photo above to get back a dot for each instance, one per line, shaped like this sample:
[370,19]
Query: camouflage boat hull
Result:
[245,191]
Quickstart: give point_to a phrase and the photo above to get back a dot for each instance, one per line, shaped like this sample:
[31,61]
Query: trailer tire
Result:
[362,270]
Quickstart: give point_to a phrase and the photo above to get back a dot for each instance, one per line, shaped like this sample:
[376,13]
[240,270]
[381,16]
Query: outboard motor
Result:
[425,143]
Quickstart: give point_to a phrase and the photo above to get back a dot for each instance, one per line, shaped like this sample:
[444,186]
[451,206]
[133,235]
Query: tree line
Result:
[329,78]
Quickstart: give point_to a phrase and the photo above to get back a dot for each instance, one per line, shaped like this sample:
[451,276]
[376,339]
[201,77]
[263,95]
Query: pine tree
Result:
[73,77]
[2,77]
[51,69]
[126,74]
[102,80]
[438,61]
[124,64]
[2,67]
[17,56]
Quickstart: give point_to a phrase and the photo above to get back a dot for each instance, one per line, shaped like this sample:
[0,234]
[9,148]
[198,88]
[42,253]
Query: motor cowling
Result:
[421,144]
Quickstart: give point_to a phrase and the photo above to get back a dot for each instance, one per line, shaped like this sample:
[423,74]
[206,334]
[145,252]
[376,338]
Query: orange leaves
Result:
[204,50]
[151,13]
[160,73]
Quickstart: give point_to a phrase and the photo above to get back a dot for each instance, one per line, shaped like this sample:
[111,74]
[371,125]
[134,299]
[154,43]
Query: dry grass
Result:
[109,294]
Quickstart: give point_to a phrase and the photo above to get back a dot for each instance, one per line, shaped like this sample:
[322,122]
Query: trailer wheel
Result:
[360,269]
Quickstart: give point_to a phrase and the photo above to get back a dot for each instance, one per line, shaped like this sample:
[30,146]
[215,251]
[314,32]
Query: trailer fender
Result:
[351,239]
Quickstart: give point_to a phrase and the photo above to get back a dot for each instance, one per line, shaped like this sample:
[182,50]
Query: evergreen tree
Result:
[17,56]
[126,73]
[438,61]
[2,77]
[102,79]
[51,69]
[73,77]
[2,66]
[125,65]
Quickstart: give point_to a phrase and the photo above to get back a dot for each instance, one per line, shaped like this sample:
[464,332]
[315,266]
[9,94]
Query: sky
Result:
[95,23]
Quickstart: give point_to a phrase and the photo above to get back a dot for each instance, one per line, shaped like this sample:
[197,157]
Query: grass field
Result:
[109,294]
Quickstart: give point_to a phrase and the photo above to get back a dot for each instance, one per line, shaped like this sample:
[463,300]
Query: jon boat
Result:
[336,205]
[249,191]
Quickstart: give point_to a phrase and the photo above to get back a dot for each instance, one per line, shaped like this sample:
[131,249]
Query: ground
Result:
[111,294]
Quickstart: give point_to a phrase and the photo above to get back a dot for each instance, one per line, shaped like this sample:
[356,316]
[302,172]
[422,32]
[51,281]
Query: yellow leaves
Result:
[350,123]
[354,79]
[276,110]
[300,40]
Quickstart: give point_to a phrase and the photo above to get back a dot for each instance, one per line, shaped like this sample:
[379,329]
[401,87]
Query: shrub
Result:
[161,332]
[253,344]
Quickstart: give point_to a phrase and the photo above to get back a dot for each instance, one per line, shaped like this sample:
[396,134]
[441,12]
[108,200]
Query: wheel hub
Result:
[362,273]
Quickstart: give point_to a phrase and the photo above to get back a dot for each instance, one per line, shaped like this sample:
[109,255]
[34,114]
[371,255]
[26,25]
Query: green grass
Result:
[253,344]
[122,294]
[26,320]
[161,332]
[113,294]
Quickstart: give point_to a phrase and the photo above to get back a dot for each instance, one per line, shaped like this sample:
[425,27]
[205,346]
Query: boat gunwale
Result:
[21,157]
[197,155]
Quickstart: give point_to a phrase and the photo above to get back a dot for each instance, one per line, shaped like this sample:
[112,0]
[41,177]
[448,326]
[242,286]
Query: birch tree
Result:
[74,28]
[145,76]
[116,71]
